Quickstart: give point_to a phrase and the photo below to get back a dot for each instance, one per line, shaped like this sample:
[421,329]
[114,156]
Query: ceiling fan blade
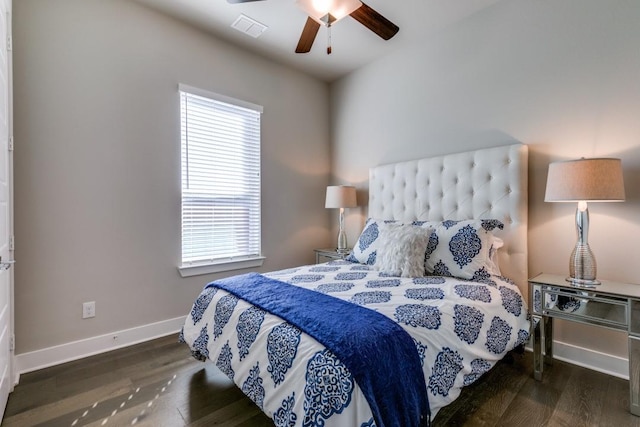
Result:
[241,1]
[375,22]
[308,36]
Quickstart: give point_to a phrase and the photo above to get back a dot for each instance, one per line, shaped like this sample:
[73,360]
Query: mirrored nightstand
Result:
[611,305]
[325,255]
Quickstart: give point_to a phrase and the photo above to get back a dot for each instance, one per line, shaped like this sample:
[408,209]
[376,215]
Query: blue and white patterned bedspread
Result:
[461,329]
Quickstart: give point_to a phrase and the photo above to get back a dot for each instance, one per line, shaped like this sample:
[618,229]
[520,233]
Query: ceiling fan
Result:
[327,12]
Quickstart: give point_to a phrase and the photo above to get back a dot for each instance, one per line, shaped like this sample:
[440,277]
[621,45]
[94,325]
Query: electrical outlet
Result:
[88,309]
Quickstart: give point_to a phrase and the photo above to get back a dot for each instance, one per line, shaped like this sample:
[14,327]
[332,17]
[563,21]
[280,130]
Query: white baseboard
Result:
[46,357]
[591,359]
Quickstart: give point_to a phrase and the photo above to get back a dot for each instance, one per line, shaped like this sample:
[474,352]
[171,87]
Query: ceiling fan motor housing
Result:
[328,12]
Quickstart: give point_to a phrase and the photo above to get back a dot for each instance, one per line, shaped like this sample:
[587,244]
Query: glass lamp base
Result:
[342,236]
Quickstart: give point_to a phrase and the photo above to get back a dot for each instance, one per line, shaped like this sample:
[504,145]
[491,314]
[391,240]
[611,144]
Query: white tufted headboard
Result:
[486,183]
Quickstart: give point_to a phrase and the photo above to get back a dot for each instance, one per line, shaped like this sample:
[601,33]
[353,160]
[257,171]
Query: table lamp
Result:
[341,196]
[583,180]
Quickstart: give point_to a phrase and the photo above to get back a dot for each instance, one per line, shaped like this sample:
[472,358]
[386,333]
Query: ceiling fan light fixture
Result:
[338,9]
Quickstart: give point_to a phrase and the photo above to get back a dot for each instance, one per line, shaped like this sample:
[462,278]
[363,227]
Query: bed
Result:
[429,299]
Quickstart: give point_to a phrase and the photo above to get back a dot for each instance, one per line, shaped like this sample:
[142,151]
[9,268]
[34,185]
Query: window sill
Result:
[189,270]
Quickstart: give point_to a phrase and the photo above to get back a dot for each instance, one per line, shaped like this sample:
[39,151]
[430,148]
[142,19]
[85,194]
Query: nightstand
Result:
[324,255]
[611,305]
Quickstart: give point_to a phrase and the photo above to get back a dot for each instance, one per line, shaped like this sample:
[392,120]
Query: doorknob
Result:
[5,265]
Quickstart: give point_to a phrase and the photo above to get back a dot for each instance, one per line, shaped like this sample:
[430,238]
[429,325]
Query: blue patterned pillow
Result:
[365,251]
[462,249]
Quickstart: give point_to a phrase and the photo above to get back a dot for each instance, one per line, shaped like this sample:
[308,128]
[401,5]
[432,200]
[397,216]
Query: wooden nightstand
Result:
[611,305]
[324,255]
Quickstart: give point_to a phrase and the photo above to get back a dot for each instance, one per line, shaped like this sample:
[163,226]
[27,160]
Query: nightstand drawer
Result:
[585,306]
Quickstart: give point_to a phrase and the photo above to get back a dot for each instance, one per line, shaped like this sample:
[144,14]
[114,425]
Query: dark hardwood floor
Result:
[158,384]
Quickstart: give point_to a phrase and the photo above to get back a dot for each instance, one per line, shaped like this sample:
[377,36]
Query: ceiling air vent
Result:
[249,26]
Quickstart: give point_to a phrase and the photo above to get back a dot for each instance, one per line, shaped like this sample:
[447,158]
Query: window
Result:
[220,183]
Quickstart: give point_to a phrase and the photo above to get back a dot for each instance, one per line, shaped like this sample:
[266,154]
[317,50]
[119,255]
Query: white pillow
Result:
[401,250]
[463,249]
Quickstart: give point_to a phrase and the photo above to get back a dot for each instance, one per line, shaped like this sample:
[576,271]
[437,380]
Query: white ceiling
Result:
[353,44]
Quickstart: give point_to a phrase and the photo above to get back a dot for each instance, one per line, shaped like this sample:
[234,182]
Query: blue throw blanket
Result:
[381,356]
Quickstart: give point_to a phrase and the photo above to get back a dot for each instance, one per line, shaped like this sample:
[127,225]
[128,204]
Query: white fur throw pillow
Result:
[401,250]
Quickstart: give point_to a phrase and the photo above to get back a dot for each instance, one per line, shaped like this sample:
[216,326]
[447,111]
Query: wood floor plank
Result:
[230,415]
[159,384]
[536,400]
[132,400]
[78,403]
[616,404]
[492,396]
[209,397]
[143,410]
[259,420]
[581,403]
[534,405]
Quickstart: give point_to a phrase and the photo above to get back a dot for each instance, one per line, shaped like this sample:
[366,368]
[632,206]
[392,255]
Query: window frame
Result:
[193,268]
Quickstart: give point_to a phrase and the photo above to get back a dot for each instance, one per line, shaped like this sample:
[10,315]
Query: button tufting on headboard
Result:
[486,183]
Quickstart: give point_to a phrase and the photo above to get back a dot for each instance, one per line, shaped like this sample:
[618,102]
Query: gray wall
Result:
[561,76]
[97,163]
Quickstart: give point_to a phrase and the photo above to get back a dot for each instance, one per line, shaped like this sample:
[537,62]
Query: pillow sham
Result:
[401,250]
[366,248]
[462,249]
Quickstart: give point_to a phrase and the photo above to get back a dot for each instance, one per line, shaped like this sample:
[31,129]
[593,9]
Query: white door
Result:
[6,207]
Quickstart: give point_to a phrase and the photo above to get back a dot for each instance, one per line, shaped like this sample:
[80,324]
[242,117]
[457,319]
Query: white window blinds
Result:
[220,178]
